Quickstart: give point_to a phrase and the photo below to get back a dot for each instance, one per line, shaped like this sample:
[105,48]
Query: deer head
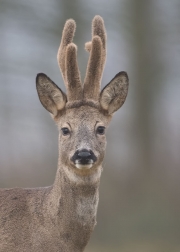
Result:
[84,112]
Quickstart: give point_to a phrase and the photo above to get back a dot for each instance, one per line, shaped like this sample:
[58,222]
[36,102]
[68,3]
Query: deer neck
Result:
[74,206]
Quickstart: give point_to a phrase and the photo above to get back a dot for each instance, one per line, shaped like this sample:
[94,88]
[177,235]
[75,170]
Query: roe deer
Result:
[61,217]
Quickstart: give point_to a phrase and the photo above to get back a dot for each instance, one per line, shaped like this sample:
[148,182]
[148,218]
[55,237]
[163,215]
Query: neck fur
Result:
[74,205]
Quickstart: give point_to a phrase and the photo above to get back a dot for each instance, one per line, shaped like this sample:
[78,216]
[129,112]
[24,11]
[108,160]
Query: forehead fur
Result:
[78,113]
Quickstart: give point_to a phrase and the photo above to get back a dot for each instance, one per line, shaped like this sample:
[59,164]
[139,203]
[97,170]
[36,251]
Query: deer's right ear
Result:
[50,95]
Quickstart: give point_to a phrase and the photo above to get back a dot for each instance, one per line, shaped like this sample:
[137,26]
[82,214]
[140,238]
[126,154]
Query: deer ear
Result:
[114,94]
[50,95]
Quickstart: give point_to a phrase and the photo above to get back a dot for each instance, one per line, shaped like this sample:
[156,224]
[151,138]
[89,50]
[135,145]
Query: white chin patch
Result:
[84,167]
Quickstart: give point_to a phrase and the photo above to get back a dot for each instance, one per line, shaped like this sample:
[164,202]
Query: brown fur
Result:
[61,217]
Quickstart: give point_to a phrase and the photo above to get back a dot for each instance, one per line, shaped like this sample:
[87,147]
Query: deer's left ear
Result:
[114,94]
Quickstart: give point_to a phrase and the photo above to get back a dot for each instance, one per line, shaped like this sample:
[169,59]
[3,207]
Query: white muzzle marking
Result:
[83,166]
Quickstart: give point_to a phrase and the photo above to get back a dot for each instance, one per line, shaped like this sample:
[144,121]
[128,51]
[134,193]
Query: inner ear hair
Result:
[114,93]
[50,95]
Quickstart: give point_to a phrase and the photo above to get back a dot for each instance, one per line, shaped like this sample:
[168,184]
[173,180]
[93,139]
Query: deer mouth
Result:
[83,159]
[83,165]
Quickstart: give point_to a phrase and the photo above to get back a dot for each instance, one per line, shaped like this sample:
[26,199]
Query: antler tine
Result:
[67,60]
[92,79]
[67,38]
[98,29]
[96,60]
[74,90]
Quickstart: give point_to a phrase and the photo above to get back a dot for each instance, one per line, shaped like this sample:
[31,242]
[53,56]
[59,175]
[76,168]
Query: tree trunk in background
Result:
[143,65]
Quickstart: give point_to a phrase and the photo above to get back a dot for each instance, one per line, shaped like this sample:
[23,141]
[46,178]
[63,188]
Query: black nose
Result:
[84,154]
[84,157]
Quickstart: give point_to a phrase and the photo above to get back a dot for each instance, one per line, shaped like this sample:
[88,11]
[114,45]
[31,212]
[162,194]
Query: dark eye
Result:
[65,131]
[100,130]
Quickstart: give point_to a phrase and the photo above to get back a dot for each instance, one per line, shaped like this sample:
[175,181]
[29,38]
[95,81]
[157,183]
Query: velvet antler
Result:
[67,60]
[95,67]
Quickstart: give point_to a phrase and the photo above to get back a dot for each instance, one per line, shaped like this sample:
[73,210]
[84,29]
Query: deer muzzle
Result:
[84,159]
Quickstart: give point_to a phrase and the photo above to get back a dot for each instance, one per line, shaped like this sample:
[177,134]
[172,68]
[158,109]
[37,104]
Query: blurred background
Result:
[139,209]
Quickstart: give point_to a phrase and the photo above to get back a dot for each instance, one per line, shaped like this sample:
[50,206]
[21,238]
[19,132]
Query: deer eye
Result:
[65,131]
[100,130]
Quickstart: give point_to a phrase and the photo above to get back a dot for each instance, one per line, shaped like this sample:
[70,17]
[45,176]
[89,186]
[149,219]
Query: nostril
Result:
[84,154]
